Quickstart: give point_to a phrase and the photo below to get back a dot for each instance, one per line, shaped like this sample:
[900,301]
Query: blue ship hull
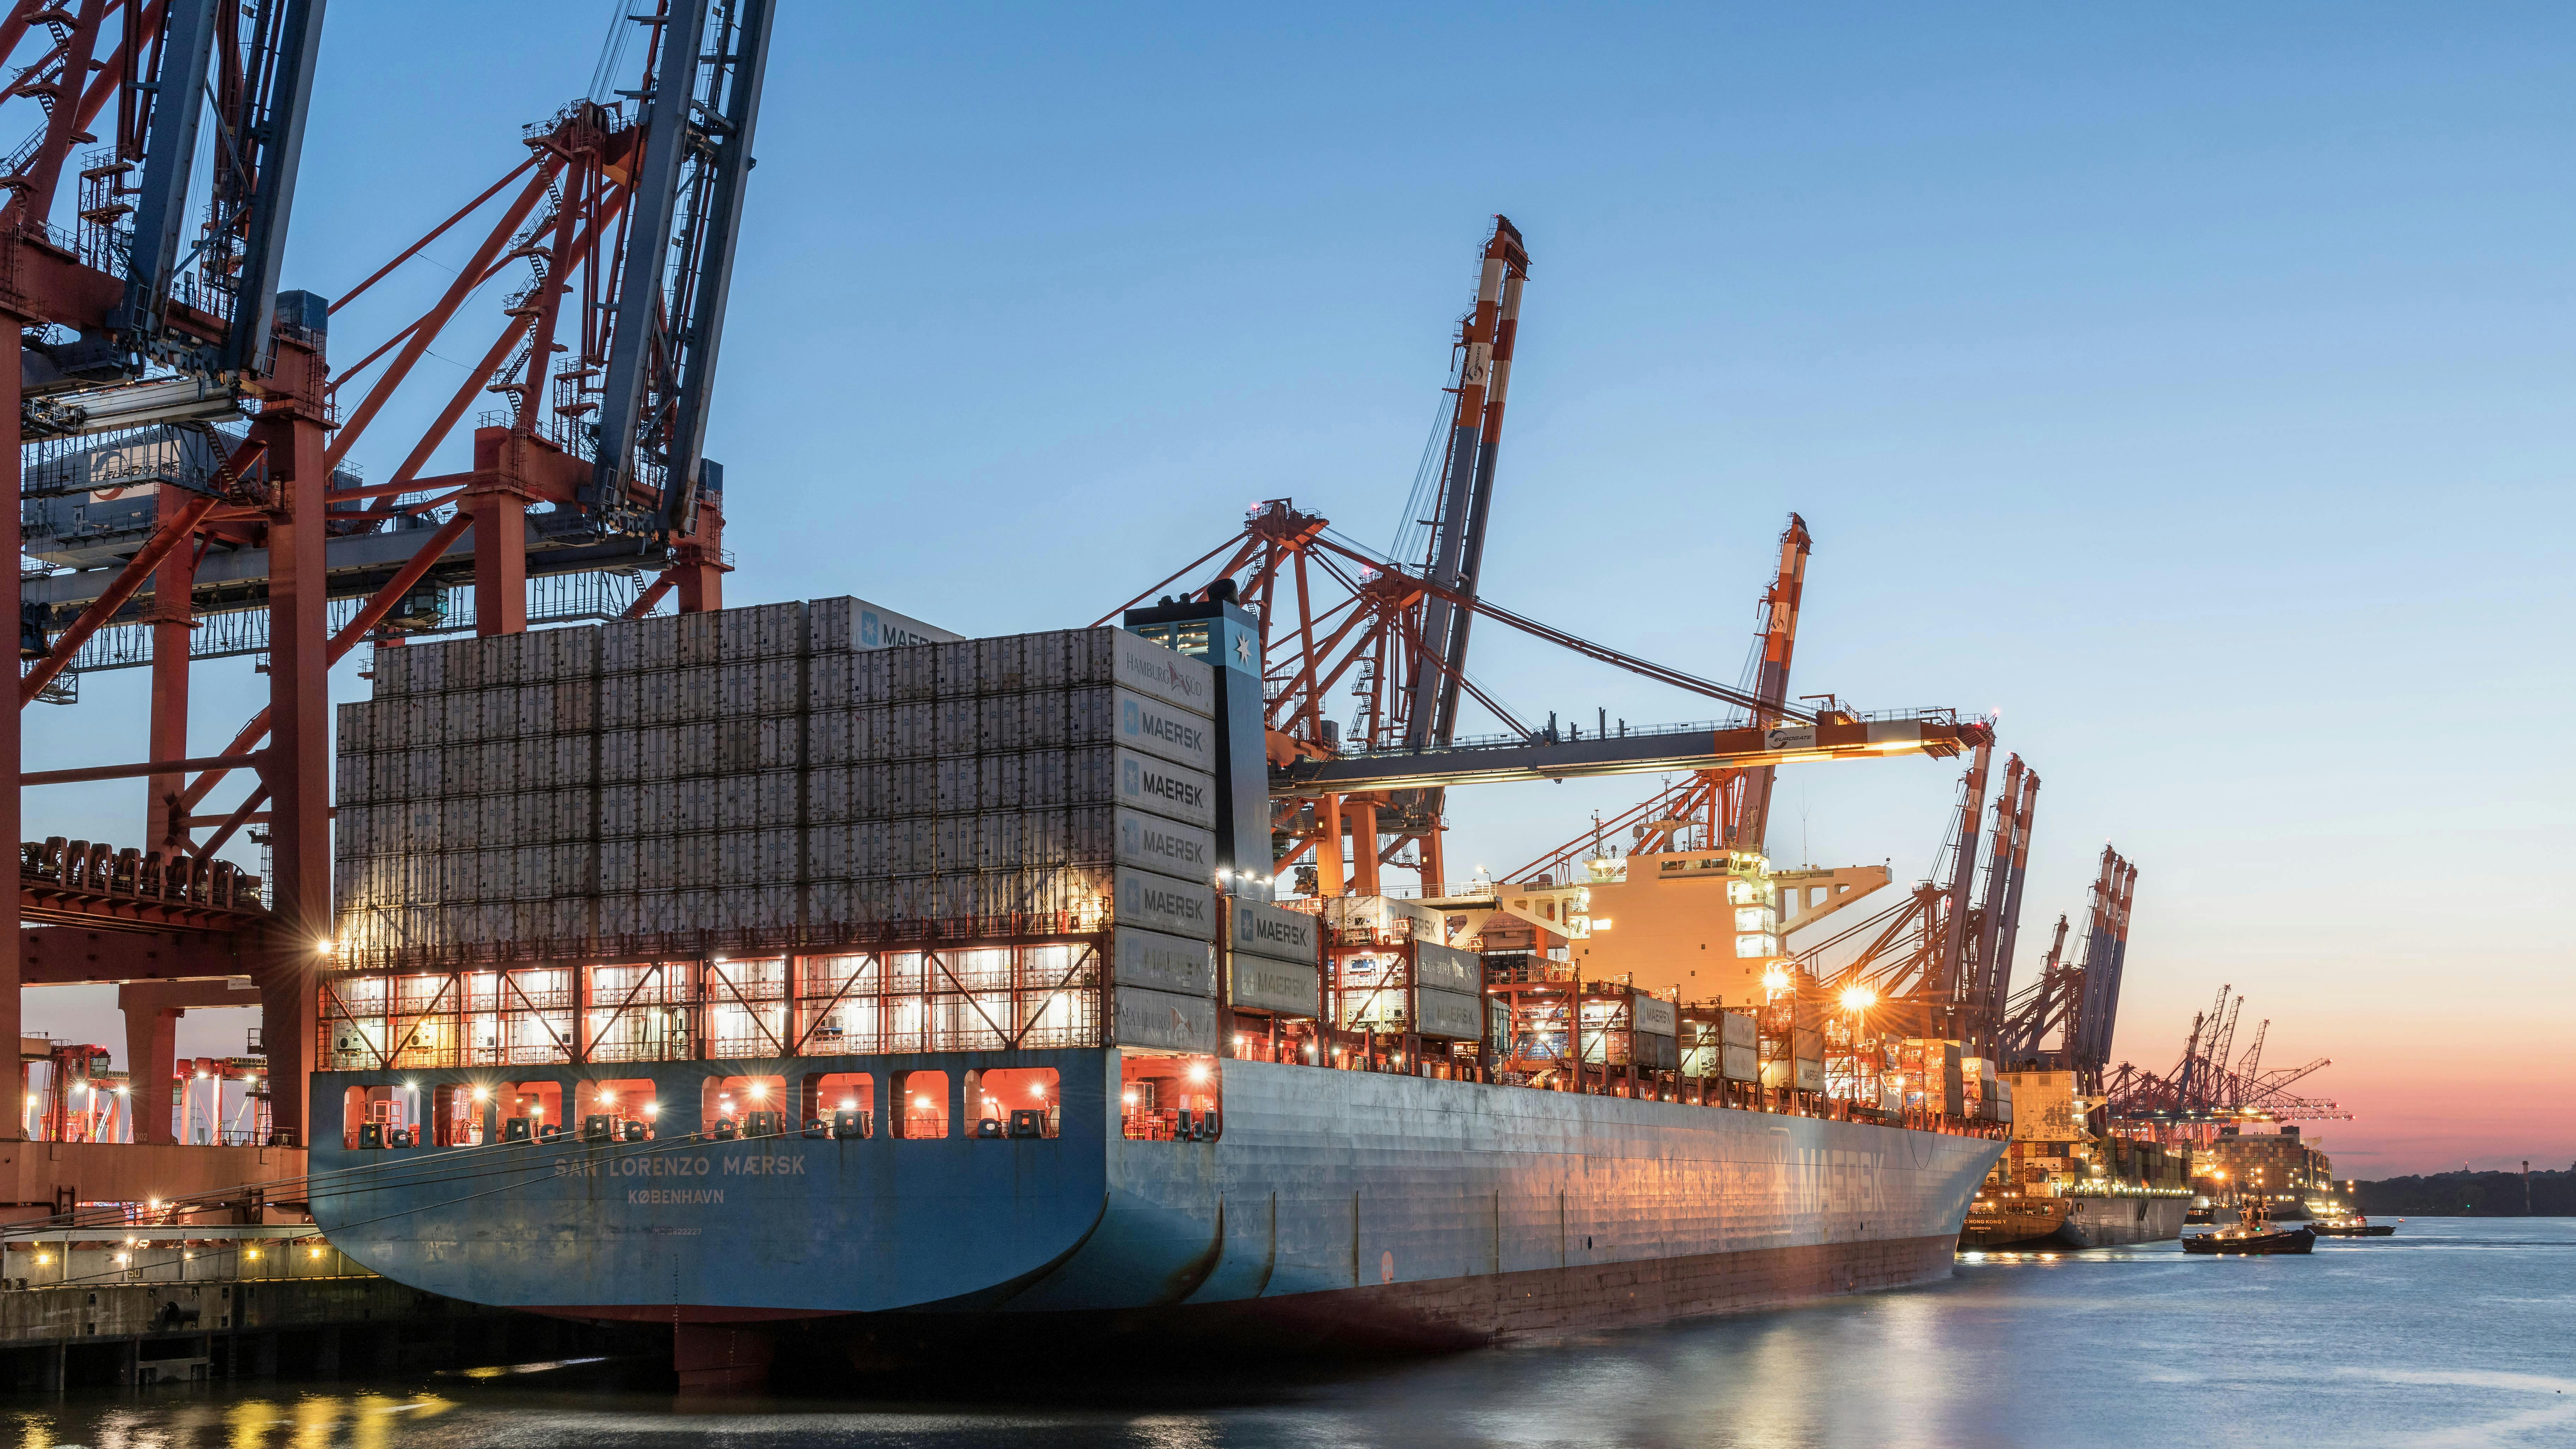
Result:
[1338,1208]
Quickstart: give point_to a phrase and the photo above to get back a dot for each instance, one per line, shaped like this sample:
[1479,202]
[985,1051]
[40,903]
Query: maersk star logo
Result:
[1243,648]
[1127,716]
[1134,782]
[870,631]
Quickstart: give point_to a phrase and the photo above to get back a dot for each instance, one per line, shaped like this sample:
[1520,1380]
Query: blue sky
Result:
[2189,386]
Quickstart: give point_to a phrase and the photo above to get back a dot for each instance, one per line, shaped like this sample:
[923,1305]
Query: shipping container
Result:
[1452,1014]
[1262,929]
[1260,983]
[1162,962]
[1150,842]
[1161,1019]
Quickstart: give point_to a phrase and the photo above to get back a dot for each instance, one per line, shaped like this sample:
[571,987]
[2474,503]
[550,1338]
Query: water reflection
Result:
[2450,1334]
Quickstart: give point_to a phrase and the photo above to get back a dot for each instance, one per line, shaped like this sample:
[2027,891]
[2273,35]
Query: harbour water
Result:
[2454,1332]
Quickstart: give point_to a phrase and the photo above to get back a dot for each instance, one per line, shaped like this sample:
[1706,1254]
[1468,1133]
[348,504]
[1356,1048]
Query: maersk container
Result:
[1151,842]
[1448,1013]
[1258,983]
[1654,1015]
[1739,1063]
[1445,968]
[846,624]
[1151,726]
[1162,962]
[1262,929]
[1163,788]
[1385,915]
[1161,1019]
[1159,903]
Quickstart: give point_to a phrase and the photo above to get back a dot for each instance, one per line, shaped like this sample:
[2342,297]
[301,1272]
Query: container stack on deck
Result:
[623,843]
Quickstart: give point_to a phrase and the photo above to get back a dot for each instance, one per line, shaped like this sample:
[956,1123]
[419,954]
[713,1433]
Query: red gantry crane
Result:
[1337,617]
[162,379]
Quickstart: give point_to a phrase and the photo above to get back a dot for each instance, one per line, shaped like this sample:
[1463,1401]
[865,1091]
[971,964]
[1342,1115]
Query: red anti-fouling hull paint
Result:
[1447,1313]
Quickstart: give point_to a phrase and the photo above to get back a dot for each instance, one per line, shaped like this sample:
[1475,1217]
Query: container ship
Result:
[2062,1184]
[805,973]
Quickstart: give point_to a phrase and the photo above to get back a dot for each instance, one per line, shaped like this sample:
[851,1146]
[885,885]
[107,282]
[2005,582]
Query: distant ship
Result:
[2059,1185]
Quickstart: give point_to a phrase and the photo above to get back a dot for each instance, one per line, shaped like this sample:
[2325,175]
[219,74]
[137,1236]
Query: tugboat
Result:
[2253,1233]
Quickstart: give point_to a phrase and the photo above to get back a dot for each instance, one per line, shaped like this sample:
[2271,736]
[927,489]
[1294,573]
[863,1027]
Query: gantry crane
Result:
[2203,1091]
[2077,1005]
[1942,959]
[119,326]
[624,221]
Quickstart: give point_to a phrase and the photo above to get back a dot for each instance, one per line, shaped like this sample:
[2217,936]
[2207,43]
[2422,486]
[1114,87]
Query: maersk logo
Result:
[1162,844]
[1169,903]
[1187,735]
[1158,785]
[875,633]
[1286,933]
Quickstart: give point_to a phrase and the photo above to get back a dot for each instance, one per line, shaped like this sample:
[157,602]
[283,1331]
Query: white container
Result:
[1262,929]
[1151,669]
[576,705]
[856,624]
[955,725]
[617,866]
[828,737]
[872,678]
[657,643]
[1154,727]
[1448,1014]
[355,730]
[827,903]
[698,804]
[778,743]
[1654,1015]
[392,669]
[1158,903]
[1160,787]
[828,795]
[621,646]
[1259,983]
[827,679]
[1162,1020]
[620,811]
[701,640]
[1169,847]
[1163,963]
[1445,968]
[912,730]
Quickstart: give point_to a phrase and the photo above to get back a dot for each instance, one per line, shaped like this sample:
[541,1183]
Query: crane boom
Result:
[1686,748]
[1485,344]
[1771,678]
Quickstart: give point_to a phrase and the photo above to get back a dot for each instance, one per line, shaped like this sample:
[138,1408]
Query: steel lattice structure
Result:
[156,328]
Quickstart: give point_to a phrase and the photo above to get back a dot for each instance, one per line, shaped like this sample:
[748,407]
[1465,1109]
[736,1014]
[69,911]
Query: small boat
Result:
[2253,1233]
[2244,1238]
[2353,1225]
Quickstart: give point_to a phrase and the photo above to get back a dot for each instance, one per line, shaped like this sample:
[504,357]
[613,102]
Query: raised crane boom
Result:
[682,230]
[1457,547]
[1771,680]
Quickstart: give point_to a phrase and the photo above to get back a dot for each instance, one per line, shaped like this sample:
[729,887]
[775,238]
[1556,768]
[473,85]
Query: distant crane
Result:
[2203,1090]
[1946,951]
[2064,1020]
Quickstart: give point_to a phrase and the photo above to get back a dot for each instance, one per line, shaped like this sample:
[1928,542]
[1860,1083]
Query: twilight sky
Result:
[2191,388]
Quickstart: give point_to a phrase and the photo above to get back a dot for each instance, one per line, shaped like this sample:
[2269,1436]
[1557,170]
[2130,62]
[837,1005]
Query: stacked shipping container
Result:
[653,797]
